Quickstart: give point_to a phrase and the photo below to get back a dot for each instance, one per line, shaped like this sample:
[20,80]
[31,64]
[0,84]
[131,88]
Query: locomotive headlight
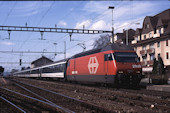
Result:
[137,71]
[120,72]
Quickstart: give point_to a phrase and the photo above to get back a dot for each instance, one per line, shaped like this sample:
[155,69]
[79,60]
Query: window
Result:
[108,57]
[135,48]
[136,38]
[166,42]
[150,35]
[159,55]
[152,56]
[158,44]
[151,46]
[159,31]
[146,26]
[144,36]
[125,57]
[167,55]
[144,58]
[144,48]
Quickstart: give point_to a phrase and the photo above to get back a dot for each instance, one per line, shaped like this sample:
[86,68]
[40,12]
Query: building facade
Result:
[41,61]
[153,40]
[125,37]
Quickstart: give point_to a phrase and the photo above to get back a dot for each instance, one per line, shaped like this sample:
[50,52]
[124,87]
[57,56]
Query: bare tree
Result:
[102,41]
[1,70]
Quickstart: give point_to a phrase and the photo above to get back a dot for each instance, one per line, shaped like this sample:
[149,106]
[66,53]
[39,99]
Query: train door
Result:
[74,70]
[108,65]
[71,70]
[39,73]
[105,66]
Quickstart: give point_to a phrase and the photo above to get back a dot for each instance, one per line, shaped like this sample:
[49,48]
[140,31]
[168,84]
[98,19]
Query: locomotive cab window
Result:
[108,57]
[126,57]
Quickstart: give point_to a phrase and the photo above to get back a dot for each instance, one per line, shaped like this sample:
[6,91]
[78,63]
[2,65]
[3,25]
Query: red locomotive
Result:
[114,63]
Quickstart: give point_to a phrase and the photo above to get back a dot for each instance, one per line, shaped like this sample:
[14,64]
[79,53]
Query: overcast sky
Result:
[65,14]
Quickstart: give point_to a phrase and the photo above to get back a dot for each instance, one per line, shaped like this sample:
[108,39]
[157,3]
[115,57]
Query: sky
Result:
[93,15]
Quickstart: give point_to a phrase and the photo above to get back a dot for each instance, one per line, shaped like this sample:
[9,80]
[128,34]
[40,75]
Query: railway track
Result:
[29,104]
[139,102]
[6,104]
[50,98]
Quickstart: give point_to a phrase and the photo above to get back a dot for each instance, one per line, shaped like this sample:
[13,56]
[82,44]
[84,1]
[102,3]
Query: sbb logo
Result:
[93,65]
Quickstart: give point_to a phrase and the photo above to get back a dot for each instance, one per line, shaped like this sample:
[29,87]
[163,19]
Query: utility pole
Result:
[55,48]
[65,50]
[127,37]
[9,33]
[112,37]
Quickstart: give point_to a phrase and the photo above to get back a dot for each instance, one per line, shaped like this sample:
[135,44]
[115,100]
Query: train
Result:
[112,64]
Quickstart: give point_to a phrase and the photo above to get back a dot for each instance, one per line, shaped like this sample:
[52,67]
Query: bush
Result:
[158,72]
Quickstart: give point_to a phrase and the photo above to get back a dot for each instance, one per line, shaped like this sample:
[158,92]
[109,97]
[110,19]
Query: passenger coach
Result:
[54,70]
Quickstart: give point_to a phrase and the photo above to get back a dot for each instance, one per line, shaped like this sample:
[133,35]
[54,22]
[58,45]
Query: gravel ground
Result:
[32,106]
[118,100]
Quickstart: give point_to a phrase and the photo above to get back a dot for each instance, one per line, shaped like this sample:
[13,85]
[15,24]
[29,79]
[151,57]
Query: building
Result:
[122,37]
[41,61]
[153,40]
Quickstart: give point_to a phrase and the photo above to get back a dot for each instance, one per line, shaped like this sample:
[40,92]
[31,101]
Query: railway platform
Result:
[165,88]
[145,82]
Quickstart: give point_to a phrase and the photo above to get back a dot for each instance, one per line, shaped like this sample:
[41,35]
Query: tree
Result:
[1,70]
[155,63]
[23,68]
[161,69]
[158,72]
[102,41]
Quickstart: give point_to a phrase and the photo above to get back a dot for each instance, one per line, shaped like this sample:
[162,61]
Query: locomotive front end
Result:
[129,69]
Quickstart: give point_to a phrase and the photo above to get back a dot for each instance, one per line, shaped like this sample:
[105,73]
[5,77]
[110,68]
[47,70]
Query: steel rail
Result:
[12,104]
[35,94]
[29,97]
[80,101]
[51,92]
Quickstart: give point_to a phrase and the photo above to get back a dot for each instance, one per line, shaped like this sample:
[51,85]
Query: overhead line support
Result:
[55,30]
[28,52]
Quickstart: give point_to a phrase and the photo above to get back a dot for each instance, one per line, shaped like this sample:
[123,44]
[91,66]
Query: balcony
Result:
[156,35]
[134,42]
[143,52]
[150,62]
[150,51]
[144,63]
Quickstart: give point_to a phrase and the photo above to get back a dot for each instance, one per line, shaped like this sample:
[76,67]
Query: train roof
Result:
[116,46]
[93,51]
[110,46]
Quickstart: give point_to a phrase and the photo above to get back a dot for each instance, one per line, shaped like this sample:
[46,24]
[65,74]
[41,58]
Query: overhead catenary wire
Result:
[40,21]
[6,18]
[46,13]
[102,14]
[118,5]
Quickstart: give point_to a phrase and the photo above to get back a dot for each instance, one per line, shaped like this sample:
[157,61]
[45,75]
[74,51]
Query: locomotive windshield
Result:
[125,57]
